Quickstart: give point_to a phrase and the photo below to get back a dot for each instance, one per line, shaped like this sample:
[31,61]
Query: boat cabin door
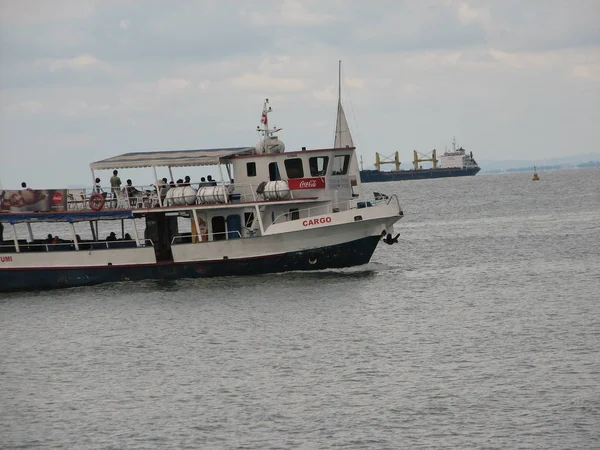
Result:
[161,229]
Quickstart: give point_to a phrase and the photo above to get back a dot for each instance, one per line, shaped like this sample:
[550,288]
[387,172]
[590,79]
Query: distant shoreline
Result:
[587,165]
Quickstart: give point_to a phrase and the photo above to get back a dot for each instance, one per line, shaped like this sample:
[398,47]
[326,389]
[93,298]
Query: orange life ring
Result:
[96,201]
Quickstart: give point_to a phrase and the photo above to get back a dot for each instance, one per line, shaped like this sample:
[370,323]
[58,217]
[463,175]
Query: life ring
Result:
[96,201]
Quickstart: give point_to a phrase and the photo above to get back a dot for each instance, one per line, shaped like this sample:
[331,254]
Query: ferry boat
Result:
[270,211]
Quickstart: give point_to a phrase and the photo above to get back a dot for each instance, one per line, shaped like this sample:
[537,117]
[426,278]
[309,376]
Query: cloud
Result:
[27,12]
[466,14]
[526,60]
[171,85]
[290,13]
[262,81]
[82,62]
[141,75]
[589,72]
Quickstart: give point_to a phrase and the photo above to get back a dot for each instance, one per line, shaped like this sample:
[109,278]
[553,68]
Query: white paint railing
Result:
[206,237]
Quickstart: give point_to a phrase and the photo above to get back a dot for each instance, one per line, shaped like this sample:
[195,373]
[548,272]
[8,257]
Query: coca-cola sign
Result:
[306,183]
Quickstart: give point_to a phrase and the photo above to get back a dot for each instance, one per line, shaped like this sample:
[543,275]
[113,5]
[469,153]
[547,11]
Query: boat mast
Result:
[266,131]
[339,117]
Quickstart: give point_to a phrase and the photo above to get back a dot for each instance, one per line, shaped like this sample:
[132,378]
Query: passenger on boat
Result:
[112,236]
[49,238]
[162,187]
[24,185]
[115,184]
[172,184]
[132,192]
[179,182]
[187,180]
[210,180]
[127,237]
[55,240]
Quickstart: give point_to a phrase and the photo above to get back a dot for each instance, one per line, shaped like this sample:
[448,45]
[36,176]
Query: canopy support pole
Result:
[135,233]
[157,186]
[260,223]
[198,232]
[17,249]
[74,236]
[30,231]
[171,174]
[222,182]
[93,231]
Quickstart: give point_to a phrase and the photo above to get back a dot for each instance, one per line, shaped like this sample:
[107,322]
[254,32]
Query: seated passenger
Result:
[112,236]
[132,192]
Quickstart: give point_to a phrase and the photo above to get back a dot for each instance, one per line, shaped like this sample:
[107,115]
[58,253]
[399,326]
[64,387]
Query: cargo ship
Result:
[456,163]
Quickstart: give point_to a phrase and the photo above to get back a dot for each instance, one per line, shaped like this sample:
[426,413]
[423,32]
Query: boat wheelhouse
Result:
[269,211]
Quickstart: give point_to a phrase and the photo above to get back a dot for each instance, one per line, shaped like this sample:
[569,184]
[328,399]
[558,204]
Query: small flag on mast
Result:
[263,118]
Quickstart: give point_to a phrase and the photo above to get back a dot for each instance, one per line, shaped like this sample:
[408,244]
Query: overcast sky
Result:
[82,80]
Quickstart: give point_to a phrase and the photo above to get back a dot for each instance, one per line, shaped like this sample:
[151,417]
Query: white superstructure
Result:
[457,158]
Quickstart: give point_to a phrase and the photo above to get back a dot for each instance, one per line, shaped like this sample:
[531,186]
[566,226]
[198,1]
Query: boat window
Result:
[340,164]
[274,172]
[318,165]
[218,228]
[294,168]
[294,214]
[251,169]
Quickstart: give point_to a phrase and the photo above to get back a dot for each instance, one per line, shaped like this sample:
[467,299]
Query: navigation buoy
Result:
[535,175]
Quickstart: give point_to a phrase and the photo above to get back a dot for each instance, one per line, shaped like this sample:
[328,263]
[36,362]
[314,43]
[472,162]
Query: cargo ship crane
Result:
[387,160]
[425,158]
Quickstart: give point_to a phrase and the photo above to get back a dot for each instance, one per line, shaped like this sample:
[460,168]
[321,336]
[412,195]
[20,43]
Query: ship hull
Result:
[347,254]
[376,176]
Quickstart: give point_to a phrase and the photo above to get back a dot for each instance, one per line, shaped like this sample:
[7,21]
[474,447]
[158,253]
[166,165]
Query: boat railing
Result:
[206,237]
[33,247]
[148,196]
[105,198]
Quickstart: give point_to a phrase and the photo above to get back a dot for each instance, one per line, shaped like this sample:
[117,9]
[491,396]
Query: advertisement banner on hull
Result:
[33,200]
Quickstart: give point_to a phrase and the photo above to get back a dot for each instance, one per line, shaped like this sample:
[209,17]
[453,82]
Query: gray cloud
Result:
[89,79]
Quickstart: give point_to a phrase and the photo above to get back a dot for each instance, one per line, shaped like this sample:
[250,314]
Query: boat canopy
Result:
[64,216]
[170,158]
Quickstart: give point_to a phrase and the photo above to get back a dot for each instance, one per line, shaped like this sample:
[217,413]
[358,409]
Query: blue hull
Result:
[338,256]
[376,176]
